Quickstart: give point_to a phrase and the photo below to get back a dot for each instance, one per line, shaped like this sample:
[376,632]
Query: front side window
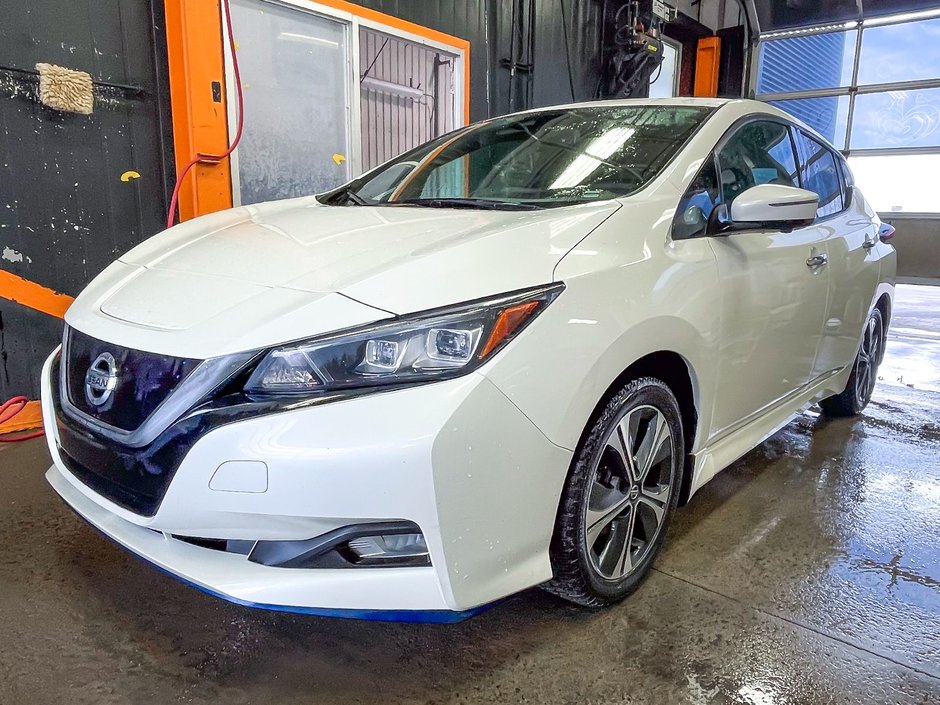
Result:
[760,152]
[820,174]
[533,160]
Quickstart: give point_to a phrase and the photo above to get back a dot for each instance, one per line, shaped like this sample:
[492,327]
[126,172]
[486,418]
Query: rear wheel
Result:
[621,492]
[857,393]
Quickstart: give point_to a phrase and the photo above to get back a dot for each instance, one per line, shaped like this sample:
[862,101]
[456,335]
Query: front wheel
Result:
[857,393]
[621,492]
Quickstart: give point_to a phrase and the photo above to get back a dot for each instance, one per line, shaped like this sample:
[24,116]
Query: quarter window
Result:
[820,174]
[760,152]
[698,202]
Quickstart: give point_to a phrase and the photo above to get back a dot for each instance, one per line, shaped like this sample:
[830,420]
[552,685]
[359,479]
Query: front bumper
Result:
[457,458]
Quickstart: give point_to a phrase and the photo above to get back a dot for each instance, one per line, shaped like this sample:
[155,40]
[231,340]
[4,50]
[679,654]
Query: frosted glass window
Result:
[897,119]
[665,84]
[295,79]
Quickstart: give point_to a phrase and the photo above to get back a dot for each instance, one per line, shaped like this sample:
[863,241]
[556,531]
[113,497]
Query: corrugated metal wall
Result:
[407,95]
[489,26]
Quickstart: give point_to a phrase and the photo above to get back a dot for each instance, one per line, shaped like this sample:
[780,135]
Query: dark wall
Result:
[65,214]
[474,20]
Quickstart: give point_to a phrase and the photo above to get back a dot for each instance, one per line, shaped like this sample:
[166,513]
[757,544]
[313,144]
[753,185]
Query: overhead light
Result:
[292,36]
[377,84]
[804,31]
[594,155]
[905,17]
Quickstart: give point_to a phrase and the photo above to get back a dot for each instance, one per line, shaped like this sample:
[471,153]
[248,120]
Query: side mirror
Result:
[772,204]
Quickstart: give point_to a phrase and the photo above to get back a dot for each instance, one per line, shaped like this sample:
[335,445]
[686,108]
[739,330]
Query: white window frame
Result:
[353,22]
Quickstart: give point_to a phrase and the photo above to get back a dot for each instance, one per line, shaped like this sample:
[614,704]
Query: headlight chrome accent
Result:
[437,344]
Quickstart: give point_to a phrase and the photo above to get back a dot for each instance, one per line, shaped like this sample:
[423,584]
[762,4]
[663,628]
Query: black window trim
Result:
[792,127]
[722,142]
[837,157]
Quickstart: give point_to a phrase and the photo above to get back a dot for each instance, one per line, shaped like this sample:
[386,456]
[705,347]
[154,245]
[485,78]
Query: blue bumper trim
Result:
[413,616]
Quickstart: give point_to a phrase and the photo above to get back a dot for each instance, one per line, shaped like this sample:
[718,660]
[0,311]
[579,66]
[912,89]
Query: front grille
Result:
[144,380]
[134,478]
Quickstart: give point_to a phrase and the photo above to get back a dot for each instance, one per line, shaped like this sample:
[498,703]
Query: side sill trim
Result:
[738,425]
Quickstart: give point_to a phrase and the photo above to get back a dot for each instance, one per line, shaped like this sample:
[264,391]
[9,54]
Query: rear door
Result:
[774,298]
[850,236]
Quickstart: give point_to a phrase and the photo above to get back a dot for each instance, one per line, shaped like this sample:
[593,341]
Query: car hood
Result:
[260,275]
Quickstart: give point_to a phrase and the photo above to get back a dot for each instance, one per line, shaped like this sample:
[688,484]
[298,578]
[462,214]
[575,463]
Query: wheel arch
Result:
[675,371]
[884,304]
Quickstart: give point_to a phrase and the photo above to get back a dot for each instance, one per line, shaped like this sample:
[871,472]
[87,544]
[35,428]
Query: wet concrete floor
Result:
[808,572]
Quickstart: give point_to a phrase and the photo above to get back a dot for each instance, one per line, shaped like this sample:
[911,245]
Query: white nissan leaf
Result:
[500,360]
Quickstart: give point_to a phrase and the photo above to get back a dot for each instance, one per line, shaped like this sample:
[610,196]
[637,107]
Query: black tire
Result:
[578,571]
[858,390]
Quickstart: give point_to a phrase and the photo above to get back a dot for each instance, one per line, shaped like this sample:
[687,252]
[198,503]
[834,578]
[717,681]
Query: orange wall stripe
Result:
[200,124]
[30,294]
[395,22]
[30,417]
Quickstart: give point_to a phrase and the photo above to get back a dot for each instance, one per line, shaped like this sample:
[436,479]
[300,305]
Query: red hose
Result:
[20,404]
[200,157]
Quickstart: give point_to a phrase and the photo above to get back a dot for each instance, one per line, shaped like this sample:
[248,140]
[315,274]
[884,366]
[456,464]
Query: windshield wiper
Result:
[347,195]
[480,203]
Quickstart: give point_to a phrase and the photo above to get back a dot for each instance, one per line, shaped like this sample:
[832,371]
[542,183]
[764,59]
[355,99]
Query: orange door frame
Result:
[198,102]
[707,63]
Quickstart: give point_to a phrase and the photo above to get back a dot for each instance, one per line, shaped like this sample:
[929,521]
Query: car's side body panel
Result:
[630,291]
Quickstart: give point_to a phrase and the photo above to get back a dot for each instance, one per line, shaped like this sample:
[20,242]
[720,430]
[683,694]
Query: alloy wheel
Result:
[868,358]
[629,492]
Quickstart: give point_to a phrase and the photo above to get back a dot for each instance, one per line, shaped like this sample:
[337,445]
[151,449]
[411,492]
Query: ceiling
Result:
[775,15]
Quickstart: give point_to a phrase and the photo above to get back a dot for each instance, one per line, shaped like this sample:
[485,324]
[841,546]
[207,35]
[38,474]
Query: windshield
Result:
[548,158]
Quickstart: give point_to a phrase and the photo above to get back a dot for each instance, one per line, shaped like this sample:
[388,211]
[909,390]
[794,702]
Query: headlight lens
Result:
[437,344]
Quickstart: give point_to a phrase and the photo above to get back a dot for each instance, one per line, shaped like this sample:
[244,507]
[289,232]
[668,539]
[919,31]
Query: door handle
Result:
[817,261]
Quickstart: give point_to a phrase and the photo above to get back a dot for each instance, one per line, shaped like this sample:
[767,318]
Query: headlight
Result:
[432,345]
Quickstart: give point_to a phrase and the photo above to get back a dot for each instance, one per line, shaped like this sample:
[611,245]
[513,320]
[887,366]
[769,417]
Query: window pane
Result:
[758,153]
[899,183]
[293,69]
[897,119]
[804,63]
[828,116]
[665,84]
[900,52]
[820,175]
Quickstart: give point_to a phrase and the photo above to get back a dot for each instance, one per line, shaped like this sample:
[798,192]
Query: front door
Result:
[774,286]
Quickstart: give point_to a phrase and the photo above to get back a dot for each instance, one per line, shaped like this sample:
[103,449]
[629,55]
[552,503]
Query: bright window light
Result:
[594,155]
[905,17]
[898,183]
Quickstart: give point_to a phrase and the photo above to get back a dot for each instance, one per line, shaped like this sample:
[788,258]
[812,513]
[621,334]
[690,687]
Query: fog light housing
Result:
[389,548]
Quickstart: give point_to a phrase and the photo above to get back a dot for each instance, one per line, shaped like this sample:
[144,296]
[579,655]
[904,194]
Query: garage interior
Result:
[808,572]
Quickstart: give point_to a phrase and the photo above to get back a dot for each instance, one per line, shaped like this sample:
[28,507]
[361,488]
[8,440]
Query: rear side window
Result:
[760,152]
[820,174]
